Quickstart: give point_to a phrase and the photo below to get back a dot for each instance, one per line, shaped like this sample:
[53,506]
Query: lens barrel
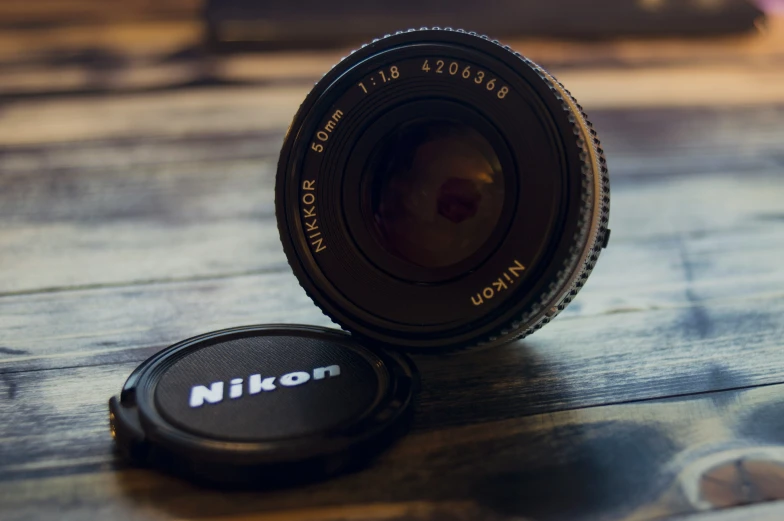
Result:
[439,190]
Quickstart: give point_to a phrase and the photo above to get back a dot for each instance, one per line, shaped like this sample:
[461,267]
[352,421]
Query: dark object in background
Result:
[243,24]
[436,190]
[263,405]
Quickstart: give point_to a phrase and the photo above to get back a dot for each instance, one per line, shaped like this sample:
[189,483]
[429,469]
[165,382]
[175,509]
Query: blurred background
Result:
[51,46]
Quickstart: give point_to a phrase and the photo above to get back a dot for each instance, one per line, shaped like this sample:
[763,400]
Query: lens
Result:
[436,190]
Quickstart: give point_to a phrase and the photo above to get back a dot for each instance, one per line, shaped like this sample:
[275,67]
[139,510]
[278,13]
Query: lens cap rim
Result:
[146,436]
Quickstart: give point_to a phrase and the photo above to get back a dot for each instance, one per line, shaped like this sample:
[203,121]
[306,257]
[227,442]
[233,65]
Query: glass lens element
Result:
[436,192]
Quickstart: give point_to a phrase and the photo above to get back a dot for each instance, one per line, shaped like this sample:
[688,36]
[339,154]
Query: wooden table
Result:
[136,210]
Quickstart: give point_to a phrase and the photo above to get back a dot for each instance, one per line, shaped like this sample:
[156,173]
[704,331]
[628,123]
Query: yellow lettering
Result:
[318,244]
[308,209]
[499,285]
[514,270]
[502,283]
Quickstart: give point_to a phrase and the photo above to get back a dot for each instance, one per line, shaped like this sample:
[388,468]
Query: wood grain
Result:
[669,275]
[222,224]
[562,368]
[759,512]
[580,361]
[108,212]
[628,461]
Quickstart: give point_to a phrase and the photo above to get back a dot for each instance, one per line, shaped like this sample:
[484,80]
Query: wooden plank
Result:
[676,241]
[72,327]
[238,109]
[209,192]
[611,86]
[687,345]
[673,142]
[164,128]
[184,221]
[177,113]
[168,222]
[634,462]
[135,154]
[759,512]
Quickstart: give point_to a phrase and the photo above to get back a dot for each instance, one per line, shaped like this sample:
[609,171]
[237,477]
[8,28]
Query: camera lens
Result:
[437,190]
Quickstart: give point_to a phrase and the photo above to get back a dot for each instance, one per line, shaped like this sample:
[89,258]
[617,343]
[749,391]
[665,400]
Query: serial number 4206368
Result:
[455,69]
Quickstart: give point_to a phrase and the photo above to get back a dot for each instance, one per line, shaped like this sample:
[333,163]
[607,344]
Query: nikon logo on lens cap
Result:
[263,404]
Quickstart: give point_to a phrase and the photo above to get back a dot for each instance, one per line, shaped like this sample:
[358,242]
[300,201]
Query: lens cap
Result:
[267,405]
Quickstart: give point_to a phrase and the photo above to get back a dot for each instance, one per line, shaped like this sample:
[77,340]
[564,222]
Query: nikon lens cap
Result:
[268,405]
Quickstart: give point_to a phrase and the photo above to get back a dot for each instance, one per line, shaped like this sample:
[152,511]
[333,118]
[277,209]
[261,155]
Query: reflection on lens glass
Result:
[437,191]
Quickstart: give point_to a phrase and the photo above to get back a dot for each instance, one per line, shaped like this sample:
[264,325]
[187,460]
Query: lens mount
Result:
[436,189]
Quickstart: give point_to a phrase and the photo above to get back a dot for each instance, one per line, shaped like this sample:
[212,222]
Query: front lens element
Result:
[436,192]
